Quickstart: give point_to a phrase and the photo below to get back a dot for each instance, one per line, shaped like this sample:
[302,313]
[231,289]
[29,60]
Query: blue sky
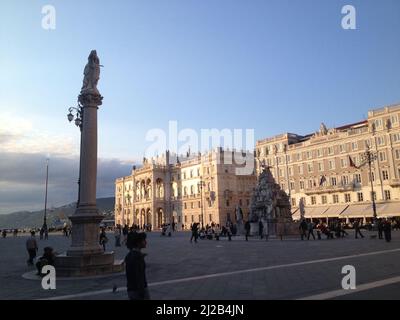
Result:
[274,66]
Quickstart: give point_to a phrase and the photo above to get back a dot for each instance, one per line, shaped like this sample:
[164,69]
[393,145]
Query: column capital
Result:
[90,99]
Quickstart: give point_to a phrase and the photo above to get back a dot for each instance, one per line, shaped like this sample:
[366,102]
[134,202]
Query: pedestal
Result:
[85,257]
[254,231]
[87,265]
[240,228]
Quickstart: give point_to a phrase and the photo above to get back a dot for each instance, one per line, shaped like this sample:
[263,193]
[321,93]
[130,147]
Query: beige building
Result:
[198,188]
[317,167]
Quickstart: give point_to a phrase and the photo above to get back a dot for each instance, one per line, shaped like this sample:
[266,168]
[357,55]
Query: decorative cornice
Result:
[90,100]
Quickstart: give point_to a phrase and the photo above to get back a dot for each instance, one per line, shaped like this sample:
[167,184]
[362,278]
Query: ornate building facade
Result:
[328,169]
[198,188]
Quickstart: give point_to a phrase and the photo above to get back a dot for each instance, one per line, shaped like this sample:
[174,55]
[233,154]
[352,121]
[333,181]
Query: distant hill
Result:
[27,219]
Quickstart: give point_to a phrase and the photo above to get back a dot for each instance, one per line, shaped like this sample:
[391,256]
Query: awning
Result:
[390,209]
[358,211]
[335,211]
[296,214]
[315,212]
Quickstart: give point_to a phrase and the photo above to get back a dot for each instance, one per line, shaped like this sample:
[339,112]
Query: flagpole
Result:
[45,199]
[369,157]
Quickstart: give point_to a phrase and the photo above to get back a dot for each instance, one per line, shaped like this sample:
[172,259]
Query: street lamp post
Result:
[200,186]
[78,122]
[368,157]
[287,172]
[45,198]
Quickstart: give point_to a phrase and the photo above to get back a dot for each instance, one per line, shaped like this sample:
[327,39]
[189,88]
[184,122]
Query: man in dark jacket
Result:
[356,226]
[247,227]
[303,228]
[136,267]
[260,229]
[380,229]
[387,229]
[195,232]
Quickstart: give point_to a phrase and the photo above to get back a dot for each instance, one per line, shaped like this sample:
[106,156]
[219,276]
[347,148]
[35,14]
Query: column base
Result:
[85,232]
[87,265]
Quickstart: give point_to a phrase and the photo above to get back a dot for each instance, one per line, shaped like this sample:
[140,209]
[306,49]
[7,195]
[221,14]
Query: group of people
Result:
[336,229]
[4,232]
[44,233]
[135,240]
[384,228]
[167,229]
[66,231]
[330,231]
[210,232]
[47,258]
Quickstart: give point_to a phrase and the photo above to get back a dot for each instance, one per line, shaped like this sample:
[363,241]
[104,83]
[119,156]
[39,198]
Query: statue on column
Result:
[91,74]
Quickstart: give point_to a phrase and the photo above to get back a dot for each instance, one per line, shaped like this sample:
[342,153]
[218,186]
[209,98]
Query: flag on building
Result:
[322,181]
[352,164]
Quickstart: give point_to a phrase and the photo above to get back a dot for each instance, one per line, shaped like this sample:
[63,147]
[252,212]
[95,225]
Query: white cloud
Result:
[18,134]
[22,180]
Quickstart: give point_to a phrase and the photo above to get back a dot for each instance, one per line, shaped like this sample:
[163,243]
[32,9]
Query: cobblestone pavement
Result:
[178,269]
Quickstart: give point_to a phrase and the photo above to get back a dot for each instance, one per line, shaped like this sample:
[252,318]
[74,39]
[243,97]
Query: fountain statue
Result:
[271,205]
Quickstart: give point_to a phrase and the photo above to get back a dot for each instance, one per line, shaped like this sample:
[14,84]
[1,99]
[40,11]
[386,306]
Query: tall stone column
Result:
[86,219]
[85,256]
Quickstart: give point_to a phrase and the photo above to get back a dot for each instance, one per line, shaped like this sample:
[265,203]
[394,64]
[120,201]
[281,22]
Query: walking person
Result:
[260,229]
[229,231]
[310,230]
[247,227]
[103,239]
[387,229]
[46,233]
[125,233]
[357,229]
[342,231]
[195,231]
[117,235]
[380,229]
[266,230]
[303,228]
[135,267]
[32,248]
[217,232]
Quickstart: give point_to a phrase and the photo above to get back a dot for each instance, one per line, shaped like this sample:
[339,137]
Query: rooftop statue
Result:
[323,131]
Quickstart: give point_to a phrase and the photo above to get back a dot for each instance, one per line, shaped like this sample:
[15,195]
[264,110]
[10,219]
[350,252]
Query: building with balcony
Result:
[196,188]
[328,171]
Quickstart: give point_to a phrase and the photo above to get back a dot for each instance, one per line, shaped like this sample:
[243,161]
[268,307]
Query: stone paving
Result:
[221,270]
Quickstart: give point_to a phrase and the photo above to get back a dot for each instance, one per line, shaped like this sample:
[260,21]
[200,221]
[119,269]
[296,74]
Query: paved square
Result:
[178,269]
